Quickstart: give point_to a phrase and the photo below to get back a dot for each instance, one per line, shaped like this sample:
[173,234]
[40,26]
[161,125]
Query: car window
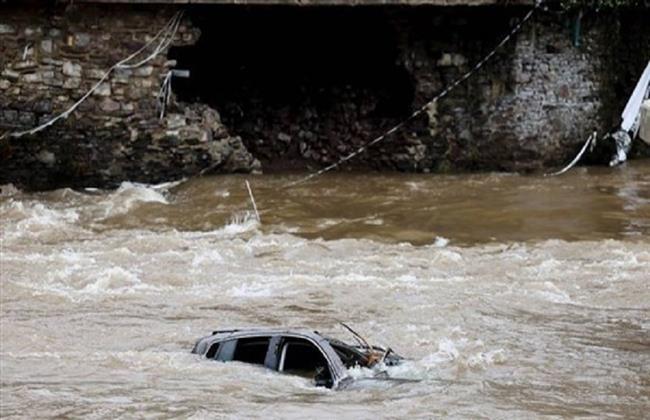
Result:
[212,351]
[349,356]
[301,357]
[251,350]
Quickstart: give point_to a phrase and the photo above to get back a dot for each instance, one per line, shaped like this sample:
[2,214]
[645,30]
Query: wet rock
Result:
[302,147]
[30,32]
[239,160]
[285,138]
[47,75]
[25,65]
[72,83]
[10,116]
[44,106]
[46,157]
[448,59]
[55,81]
[109,105]
[26,119]
[46,46]
[6,29]
[71,69]
[32,78]
[122,76]
[104,89]
[523,77]
[465,135]
[10,75]
[82,39]
[51,62]
[144,71]
[95,74]
[175,121]
[193,135]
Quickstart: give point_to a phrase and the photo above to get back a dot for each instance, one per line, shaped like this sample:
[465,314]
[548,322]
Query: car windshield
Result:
[350,356]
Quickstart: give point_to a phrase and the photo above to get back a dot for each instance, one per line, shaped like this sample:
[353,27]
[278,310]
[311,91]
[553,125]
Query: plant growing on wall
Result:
[602,4]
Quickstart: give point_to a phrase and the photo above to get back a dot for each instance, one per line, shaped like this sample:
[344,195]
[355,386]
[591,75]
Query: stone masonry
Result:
[51,57]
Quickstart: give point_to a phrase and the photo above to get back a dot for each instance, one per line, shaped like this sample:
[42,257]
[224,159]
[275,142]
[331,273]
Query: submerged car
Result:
[300,352]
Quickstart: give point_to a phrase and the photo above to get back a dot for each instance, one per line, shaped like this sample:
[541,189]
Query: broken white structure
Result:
[644,130]
[635,119]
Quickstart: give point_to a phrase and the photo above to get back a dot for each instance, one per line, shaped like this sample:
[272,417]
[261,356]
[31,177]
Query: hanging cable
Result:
[165,93]
[591,140]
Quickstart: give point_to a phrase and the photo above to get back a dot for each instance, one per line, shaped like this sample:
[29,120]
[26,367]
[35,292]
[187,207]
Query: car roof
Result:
[232,333]
[266,331]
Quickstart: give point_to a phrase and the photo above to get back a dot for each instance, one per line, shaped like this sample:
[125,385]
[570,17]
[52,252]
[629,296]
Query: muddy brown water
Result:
[512,296]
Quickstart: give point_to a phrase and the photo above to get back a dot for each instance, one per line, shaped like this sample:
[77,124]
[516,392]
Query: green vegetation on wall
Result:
[603,4]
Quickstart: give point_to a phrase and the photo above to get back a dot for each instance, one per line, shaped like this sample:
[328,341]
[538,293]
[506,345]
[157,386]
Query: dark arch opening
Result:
[297,84]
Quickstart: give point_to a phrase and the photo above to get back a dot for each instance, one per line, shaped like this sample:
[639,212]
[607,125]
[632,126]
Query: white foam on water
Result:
[375,221]
[69,256]
[222,193]
[441,242]
[128,196]
[325,223]
[33,215]
[407,278]
[483,360]
[446,256]
[250,291]
[239,223]
[554,294]
[36,220]
[454,354]
[207,257]
[414,186]
[166,186]
[447,350]
[8,190]
[115,279]
[80,277]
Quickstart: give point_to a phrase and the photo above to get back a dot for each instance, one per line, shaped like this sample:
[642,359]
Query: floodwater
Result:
[512,296]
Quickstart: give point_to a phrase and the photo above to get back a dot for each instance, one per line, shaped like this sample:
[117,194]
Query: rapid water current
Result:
[512,296]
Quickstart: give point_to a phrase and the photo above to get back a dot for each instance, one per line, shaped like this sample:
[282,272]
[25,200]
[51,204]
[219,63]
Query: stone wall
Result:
[50,57]
[531,107]
[303,102]
[352,74]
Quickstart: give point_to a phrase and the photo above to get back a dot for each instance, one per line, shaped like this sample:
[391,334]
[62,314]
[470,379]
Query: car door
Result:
[302,357]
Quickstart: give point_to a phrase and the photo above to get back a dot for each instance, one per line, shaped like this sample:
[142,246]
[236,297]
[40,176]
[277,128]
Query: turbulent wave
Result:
[129,195]
[104,292]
